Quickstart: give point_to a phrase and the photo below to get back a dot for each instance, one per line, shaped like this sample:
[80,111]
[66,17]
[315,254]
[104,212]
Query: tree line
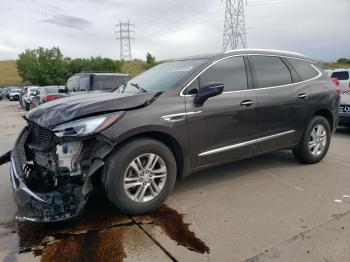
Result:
[48,66]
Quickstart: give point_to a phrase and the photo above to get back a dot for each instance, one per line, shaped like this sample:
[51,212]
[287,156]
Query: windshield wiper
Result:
[142,90]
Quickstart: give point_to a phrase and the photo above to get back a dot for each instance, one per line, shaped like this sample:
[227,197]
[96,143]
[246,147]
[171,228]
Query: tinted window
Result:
[84,84]
[231,72]
[270,71]
[342,75]
[122,80]
[304,69]
[104,82]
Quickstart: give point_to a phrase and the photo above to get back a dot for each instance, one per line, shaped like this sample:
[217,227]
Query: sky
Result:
[172,28]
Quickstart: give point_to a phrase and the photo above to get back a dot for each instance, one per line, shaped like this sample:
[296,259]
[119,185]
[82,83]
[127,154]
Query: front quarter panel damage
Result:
[53,178]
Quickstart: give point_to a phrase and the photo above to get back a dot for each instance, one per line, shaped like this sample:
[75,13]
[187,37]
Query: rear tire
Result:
[27,106]
[315,142]
[129,174]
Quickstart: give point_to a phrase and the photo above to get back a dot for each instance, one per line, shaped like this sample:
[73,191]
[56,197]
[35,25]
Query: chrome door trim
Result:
[177,117]
[251,142]
[254,89]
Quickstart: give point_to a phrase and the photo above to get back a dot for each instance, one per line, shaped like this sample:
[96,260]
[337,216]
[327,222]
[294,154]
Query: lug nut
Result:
[141,174]
[141,180]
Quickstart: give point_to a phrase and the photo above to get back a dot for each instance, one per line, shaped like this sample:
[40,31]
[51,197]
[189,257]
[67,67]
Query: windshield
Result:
[161,77]
[15,90]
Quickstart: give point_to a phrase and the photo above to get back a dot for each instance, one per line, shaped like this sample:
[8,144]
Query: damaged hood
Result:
[63,110]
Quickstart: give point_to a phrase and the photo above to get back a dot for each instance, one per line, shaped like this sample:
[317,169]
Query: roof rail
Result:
[273,50]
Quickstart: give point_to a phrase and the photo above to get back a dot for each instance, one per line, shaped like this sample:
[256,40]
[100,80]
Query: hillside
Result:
[9,75]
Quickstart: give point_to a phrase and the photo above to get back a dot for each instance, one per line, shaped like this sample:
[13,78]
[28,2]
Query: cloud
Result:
[68,21]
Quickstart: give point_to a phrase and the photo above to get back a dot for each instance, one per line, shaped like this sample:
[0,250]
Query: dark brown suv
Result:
[179,117]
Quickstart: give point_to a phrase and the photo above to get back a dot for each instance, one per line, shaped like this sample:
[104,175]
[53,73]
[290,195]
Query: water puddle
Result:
[100,234]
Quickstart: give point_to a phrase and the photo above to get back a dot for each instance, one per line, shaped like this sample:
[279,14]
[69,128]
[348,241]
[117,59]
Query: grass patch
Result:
[9,75]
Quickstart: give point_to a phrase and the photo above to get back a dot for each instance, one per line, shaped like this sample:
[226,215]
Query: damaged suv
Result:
[177,118]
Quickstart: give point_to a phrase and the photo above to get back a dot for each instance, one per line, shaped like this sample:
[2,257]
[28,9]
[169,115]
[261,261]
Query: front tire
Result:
[315,142]
[27,106]
[140,175]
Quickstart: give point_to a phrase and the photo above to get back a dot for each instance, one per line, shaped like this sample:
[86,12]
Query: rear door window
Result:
[270,71]
[303,68]
[230,71]
[84,83]
[341,75]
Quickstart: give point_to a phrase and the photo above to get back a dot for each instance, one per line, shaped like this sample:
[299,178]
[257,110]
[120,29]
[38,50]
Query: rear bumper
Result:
[344,119]
[65,203]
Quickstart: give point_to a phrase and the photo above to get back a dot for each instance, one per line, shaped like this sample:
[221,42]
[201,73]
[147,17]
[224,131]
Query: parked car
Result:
[175,119]
[6,92]
[14,94]
[344,110]
[27,94]
[47,93]
[343,76]
[84,82]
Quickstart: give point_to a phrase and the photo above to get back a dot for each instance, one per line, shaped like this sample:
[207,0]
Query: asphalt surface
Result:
[269,208]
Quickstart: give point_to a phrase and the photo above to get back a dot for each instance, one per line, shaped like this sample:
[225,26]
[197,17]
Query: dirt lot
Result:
[270,208]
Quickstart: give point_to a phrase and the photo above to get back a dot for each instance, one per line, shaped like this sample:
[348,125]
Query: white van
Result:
[343,75]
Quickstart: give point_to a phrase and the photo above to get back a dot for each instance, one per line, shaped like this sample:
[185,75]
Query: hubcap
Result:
[318,140]
[145,177]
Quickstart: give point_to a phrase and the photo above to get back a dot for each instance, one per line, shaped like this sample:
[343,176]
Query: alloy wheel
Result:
[318,140]
[145,177]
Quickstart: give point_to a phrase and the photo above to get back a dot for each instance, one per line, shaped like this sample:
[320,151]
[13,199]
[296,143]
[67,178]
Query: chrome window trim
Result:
[247,143]
[254,89]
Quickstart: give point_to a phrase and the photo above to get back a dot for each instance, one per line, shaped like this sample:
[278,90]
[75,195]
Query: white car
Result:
[14,94]
[343,75]
[27,96]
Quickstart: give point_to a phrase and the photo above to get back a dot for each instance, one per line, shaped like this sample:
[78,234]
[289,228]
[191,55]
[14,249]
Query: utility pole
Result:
[234,28]
[124,35]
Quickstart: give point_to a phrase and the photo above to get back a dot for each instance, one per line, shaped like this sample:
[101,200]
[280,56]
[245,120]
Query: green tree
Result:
[343,61]
[42,66]
[150,61]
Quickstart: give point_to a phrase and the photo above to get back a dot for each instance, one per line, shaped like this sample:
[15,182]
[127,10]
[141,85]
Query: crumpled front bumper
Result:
[65,203]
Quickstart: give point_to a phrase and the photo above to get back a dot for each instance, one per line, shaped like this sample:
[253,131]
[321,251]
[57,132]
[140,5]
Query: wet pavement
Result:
[269,208]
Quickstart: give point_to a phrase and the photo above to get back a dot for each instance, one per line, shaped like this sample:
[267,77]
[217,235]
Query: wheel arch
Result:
[326,114]
[169,140]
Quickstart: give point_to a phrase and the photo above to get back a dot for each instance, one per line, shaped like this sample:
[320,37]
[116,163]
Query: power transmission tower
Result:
[234,29]
[124,35]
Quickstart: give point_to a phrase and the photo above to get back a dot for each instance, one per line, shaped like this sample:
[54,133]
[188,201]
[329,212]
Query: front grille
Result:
[40,135]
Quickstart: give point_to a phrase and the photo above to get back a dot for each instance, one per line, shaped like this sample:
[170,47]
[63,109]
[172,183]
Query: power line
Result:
[234,29]
[124,35]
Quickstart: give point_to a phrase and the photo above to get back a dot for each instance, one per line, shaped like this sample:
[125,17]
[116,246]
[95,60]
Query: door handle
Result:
[303,96]
[247,103]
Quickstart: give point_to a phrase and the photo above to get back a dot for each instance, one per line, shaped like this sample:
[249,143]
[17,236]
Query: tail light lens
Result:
[51,97]
[336,83]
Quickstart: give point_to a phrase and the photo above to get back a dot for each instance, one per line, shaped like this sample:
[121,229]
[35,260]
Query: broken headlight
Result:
[87,126]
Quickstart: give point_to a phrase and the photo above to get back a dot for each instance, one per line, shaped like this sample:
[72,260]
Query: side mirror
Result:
[206,92]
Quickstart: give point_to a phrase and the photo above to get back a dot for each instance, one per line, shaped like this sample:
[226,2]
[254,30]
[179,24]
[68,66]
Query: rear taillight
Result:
[51,97]
[336,83]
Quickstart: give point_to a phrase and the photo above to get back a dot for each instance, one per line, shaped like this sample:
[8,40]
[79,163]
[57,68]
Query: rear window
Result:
[341,75]
[303,68]
[105,82]
[51,89]
[270,71]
